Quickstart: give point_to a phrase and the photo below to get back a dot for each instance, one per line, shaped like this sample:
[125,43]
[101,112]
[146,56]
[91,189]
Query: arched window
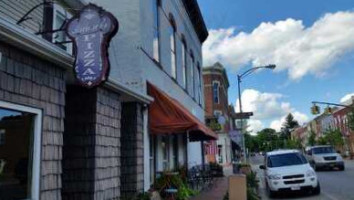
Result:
[191,68]
[199,84]
[172,32]
[184,62]
[156,41]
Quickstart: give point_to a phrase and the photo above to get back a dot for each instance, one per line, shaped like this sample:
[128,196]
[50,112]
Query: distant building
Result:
[216,86]
[320,125]
[301,133]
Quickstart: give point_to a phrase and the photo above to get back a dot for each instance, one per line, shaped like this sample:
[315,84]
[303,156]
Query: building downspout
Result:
[186,141]
[146,150]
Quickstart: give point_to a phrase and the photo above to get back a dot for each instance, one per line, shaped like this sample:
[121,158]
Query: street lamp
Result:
[239,79]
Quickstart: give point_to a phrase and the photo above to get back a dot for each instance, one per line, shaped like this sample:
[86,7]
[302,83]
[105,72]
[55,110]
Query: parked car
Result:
[289,170]
[324,156]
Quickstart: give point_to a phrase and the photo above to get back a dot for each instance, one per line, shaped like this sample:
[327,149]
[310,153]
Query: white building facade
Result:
[159,42]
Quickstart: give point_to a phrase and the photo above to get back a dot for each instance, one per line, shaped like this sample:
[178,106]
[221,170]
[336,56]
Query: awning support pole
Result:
[203,155]
[187,162]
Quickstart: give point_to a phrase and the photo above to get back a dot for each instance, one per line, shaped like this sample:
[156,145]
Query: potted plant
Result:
[244,168]
[173,184]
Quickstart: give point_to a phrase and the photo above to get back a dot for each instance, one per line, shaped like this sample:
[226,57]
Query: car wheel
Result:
[314,166]
[317,190]
[271,194]
[341,168]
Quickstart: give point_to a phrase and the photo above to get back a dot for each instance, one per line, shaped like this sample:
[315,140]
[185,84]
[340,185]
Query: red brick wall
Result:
[210,106]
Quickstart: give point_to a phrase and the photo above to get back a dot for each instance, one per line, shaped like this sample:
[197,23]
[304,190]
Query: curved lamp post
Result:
[239,80]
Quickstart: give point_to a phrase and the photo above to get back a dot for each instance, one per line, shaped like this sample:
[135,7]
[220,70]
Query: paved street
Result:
[335,185]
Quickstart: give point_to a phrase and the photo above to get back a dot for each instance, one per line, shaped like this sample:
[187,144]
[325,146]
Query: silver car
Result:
[324,156]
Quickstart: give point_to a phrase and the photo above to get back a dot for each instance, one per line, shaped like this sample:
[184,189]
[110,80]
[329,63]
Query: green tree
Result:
[294,144]
[322,141]
[351,120]
[289,124]
[267,139]
[312,139]
[334,137]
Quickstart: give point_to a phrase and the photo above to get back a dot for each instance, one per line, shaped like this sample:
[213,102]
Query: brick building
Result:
[337,120]
[216,85]
[301,133]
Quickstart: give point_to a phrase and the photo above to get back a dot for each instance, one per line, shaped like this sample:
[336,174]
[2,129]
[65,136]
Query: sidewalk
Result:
[219,188]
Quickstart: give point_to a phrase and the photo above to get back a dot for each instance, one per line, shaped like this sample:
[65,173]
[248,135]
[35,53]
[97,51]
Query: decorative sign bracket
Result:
[42,30]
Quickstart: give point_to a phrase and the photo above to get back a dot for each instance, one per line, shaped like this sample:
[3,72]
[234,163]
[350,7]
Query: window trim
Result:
[37,143]
[61,10]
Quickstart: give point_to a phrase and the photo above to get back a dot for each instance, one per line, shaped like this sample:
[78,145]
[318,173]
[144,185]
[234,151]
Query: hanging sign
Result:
[91,31]
[236,136]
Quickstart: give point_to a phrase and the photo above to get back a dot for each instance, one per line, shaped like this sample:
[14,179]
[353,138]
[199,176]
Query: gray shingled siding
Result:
[27,80]
[132,150]
[91,165]
[15,9]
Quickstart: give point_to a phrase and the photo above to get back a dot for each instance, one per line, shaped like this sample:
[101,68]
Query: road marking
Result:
[329,196]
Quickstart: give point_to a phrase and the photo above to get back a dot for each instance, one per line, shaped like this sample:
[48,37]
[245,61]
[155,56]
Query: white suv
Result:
[324,156]
[288,170]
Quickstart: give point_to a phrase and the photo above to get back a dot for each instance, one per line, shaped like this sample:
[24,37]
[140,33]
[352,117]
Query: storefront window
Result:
[220,153]
[152,159]
[165,152]
[19,160]
[175,152]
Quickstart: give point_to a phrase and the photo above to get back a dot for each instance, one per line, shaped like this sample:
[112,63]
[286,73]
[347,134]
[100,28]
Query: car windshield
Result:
[323,150]
[288,159]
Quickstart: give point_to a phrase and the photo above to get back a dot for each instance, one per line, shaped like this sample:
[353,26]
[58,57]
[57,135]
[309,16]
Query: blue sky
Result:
[311,42]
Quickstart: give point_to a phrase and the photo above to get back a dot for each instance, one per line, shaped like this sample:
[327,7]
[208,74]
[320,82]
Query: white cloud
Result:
[298,116]
[264,105]
[267,107]
[289,44]
[347,98]
[254,126]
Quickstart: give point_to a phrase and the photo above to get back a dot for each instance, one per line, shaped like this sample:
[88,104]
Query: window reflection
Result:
[16,135]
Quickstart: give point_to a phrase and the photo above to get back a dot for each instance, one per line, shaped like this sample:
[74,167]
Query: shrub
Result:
[168,181]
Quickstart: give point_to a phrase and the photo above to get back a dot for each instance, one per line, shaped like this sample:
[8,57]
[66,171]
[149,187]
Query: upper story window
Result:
[172,32]
[199,84]
[60,15]
[216,86]
[184,63]
[156,41]
[192,74]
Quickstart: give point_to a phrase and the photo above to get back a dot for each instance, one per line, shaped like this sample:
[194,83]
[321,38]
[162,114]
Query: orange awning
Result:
[168,116]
